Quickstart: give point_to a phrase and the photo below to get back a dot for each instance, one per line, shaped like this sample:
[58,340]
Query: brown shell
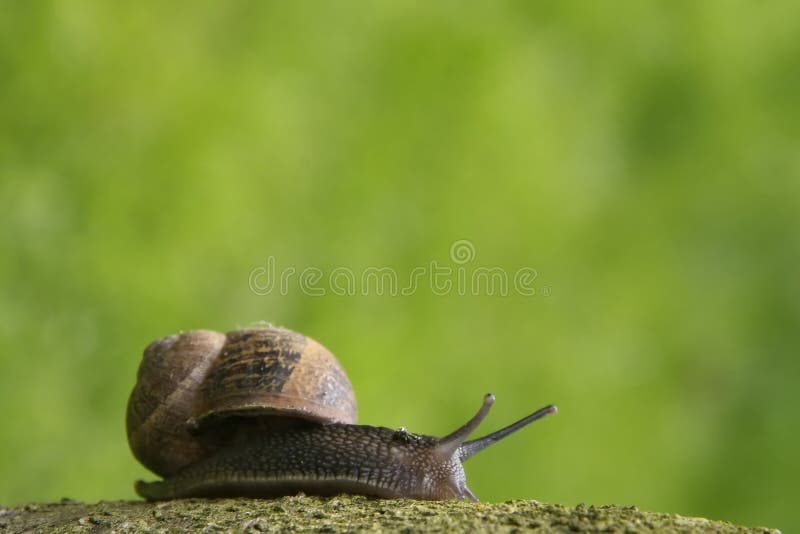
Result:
[188,381]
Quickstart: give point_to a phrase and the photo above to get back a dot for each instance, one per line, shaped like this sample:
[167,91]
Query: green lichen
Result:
[346,514]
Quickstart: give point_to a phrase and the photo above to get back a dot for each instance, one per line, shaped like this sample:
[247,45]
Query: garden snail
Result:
[264,412]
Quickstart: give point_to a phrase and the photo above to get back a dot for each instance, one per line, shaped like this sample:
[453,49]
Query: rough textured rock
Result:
[345,514]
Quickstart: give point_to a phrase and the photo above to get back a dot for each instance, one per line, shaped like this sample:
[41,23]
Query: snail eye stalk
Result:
[456,441]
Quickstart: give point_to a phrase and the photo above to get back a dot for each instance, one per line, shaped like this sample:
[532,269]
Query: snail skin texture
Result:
[264,412]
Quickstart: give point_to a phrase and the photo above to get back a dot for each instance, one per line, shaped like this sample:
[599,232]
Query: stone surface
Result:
[345,514]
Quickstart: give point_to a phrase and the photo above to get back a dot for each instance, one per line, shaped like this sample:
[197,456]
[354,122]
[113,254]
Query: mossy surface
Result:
[346,514]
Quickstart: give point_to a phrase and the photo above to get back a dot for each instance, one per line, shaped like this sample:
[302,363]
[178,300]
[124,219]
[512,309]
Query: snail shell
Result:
[195,389]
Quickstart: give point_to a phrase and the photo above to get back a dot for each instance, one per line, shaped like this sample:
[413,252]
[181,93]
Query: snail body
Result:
[241,414]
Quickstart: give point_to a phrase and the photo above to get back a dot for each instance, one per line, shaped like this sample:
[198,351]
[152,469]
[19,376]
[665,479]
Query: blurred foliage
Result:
[642,157]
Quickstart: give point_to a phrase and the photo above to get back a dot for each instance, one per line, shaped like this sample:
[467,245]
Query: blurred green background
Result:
[641,156]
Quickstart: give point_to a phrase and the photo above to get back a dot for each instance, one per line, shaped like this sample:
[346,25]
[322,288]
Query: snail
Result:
[264,412]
